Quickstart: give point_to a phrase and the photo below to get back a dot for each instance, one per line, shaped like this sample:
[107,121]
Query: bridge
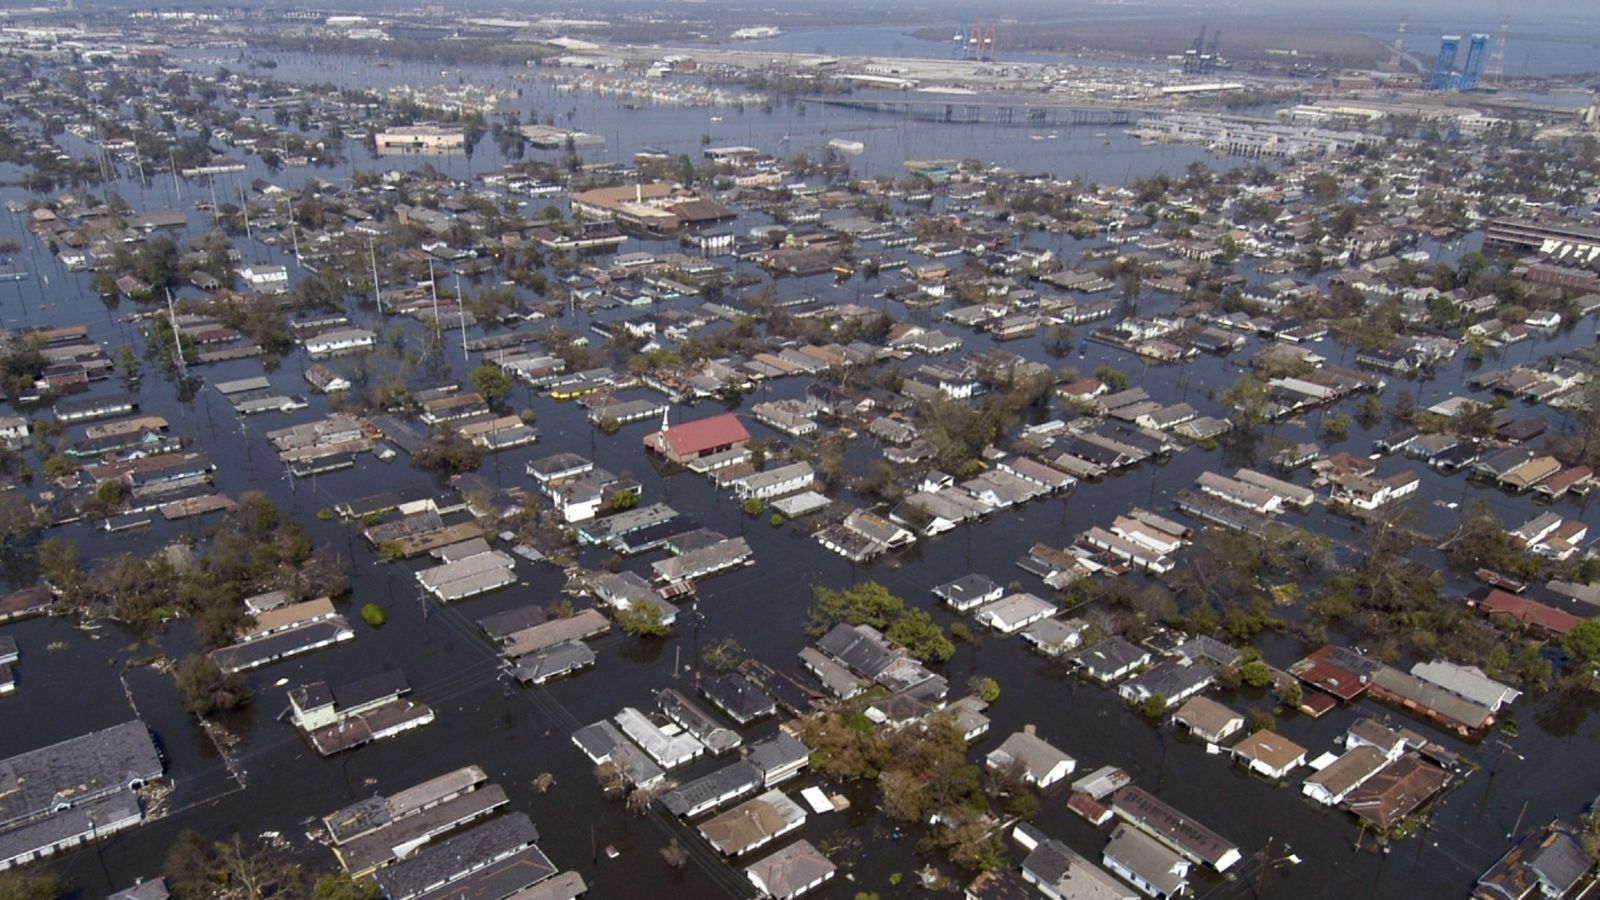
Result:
[988,110]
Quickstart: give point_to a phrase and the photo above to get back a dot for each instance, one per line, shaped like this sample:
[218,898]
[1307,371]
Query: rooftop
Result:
[36,783]
[1173,828]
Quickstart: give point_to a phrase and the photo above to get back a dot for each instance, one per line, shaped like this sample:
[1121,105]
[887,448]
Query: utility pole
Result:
[177,336]
[138,162]
[461,317]
[244,209]
[433,287]
[377,293]
[1266,860]
[293,234]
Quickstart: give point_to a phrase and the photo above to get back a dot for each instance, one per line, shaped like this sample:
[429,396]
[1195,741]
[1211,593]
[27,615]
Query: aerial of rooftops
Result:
[818,454]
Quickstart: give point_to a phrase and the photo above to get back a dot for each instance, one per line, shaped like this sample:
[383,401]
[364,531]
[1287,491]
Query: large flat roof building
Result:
[41,782]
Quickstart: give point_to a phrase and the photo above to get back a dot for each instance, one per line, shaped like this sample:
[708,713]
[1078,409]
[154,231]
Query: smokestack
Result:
[638,193]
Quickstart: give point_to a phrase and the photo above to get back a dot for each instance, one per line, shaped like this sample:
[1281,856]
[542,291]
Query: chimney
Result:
[1027,729]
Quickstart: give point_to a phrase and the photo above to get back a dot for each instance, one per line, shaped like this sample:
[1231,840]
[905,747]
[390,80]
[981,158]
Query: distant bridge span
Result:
[1031,112]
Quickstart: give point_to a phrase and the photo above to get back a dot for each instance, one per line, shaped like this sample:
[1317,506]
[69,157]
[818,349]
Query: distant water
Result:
[1099,154]
[895,41]
[1545,49]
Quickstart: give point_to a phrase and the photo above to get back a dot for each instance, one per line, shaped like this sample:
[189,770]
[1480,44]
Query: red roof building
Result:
[702,437]
[1530,614]
[1396,791]
[1337,670]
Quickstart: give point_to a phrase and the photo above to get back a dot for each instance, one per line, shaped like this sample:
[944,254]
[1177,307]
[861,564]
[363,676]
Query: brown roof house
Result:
[1270,754]
[753,823]
[791,871]
[1398,790]
[1208,719]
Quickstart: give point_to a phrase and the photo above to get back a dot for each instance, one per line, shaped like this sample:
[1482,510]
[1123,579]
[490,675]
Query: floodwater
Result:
[515,733]
[1533,48]
[785,128]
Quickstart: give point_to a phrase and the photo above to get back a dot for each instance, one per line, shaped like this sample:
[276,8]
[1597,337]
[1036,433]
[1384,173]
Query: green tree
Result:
[1114,378]
[127,361]
[624,500]
[17,516]
[723,654]
[921,636]
[1227,250]
[986,689]
[372,614]
[15,885]
[59,563]
[1155,707]
[1255,674]
[205,689]
[491,382]
[109,493]
[1591,834]
[1582,643]
[60,466]
[1290,693]
[1247,398]
[643,620]
[1481,541]
[1260,720]
[189,867]
[863,604]
[1404,408]
[1371,410]
[343,887]
[253,873]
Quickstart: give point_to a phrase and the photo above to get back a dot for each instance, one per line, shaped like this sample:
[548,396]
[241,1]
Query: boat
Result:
[715,119]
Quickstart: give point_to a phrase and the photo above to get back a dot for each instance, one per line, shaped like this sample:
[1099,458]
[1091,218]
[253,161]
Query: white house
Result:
[340,340]
[1042,764]
[272,279]
[969,592]
[14,431]
[1146,863]
[775,482]
[1014,612]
